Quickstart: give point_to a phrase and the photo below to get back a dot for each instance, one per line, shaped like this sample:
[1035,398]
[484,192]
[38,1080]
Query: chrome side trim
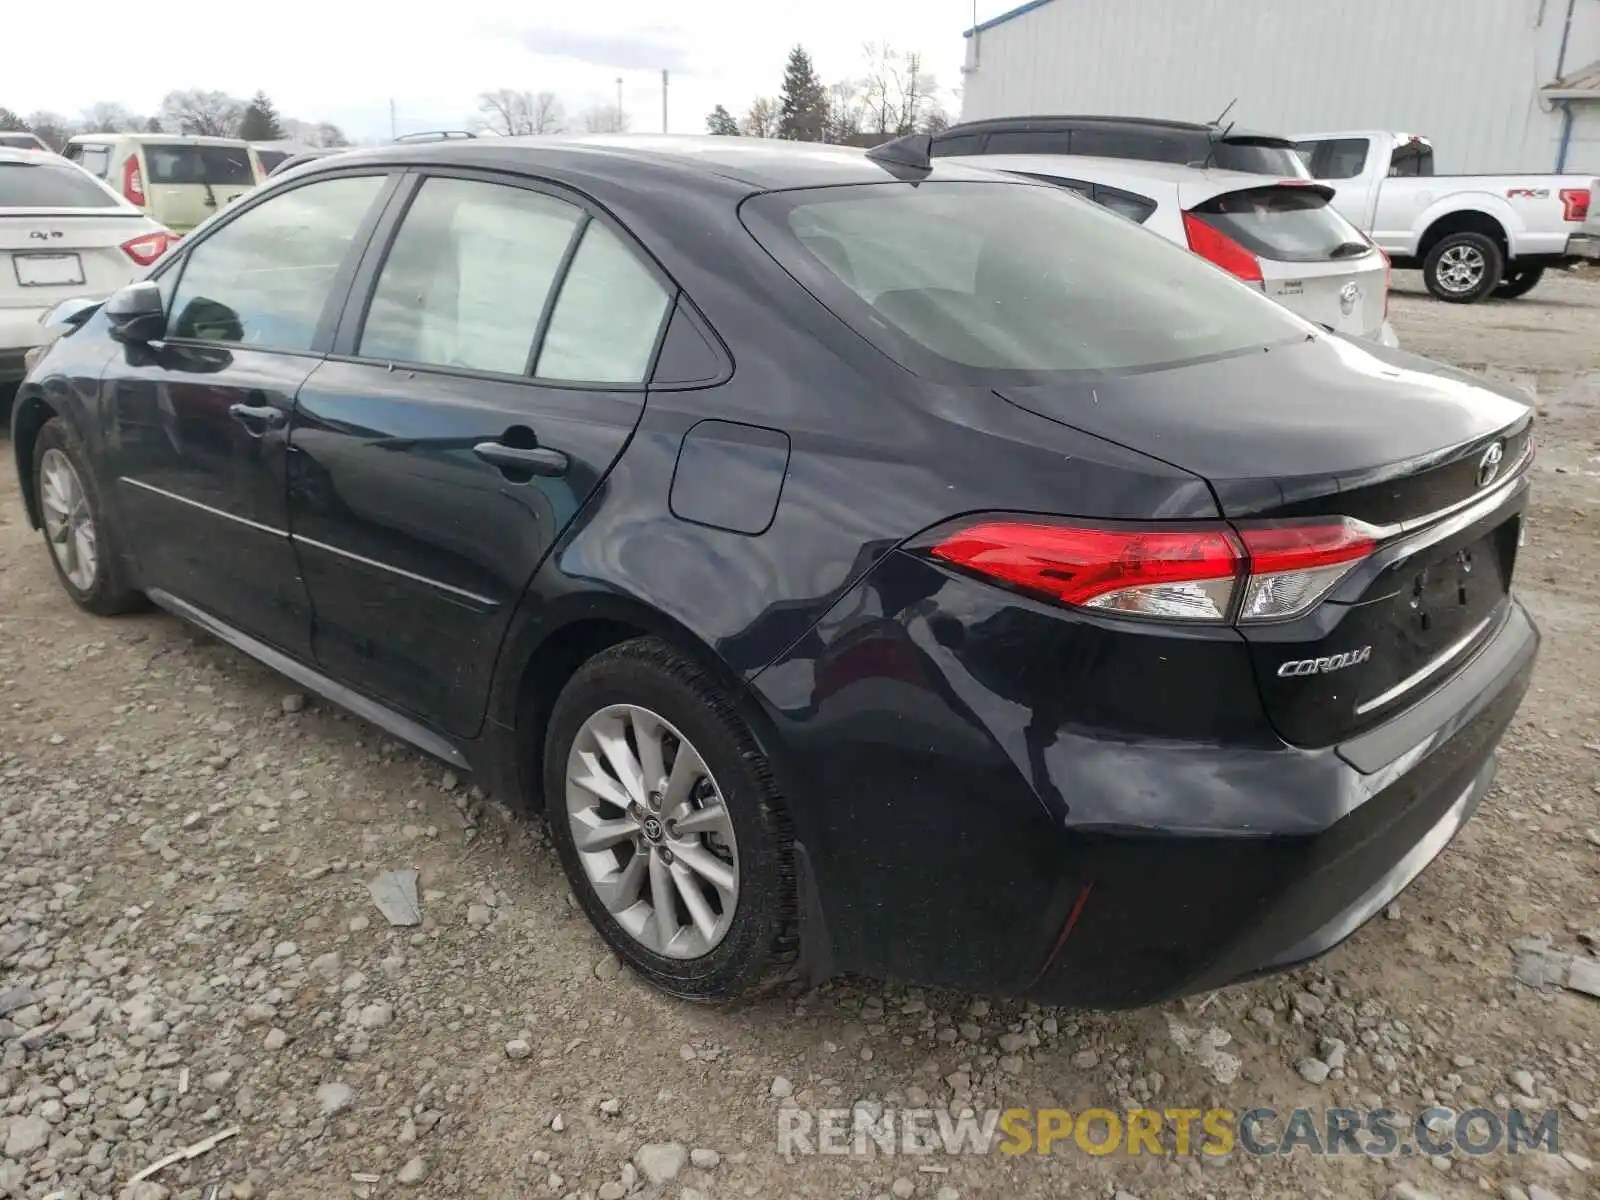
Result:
[205,508]
[385,718]
[480,601]
[1453,652]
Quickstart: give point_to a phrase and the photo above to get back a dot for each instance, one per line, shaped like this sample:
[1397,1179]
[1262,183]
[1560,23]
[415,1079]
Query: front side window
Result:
[264,278]
[968,280]
[467,278]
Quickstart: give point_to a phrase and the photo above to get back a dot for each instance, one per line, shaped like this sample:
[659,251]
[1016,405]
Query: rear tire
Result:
[1463,268]
[1519,281]
[706,914]
[83,548]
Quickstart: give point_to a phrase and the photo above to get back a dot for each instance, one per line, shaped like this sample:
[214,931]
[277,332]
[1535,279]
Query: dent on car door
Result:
[200,418]
[488,372]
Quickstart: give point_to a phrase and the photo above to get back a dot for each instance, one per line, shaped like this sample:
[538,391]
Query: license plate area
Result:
[47,270]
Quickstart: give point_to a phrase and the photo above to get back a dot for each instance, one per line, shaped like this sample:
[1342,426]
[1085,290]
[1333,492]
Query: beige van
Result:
[178,181]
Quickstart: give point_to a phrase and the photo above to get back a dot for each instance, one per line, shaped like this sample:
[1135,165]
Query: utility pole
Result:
[663,100]
[619,105]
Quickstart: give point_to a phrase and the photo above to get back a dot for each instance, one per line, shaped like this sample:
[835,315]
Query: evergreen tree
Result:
[260,122]
[803,102]
[153,125]
[720,121]
[11,122]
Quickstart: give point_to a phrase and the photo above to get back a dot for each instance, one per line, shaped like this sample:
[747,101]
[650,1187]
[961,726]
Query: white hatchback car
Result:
[63,234]
[1281,235]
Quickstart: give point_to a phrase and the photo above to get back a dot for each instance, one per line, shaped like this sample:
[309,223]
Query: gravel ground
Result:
[188,947]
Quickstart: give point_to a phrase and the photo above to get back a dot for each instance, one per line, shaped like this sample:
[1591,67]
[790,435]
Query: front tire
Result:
[1463,268]
[1519,281]
[83,549]
[669,824]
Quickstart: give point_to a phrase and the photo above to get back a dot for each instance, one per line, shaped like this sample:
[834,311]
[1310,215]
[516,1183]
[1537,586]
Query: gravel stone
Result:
[660,1162]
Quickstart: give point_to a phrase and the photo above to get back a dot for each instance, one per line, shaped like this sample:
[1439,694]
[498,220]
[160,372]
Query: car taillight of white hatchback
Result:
[1243,572]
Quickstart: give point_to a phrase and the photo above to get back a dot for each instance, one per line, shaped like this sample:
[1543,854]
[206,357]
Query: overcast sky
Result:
[343,61]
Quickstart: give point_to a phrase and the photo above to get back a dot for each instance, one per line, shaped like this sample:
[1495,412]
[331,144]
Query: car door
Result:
[200,419]
[488,371]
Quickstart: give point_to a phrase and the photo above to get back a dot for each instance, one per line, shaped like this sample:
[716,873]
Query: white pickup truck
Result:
[1472,236]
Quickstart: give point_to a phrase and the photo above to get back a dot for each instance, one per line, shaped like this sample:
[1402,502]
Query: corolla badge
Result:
[1349,297]
[1489,464]
[1324,666]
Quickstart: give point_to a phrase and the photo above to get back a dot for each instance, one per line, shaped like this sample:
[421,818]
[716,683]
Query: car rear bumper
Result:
[1387,337]
[19,331]
[1584,246]
[957,835]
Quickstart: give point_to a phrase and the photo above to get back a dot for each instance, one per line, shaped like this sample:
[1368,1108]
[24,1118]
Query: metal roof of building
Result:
[1007,16]
[1582,84]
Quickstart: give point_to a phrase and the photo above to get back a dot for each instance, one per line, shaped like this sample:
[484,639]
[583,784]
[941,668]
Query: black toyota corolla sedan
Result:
[888,566]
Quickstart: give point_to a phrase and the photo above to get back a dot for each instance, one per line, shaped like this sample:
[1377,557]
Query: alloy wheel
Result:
[67,520]
[652,831]
[1461,268]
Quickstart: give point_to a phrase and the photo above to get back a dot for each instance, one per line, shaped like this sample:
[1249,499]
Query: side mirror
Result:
[136,313]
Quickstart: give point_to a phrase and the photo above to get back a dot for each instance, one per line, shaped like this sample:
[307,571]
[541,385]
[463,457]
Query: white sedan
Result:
[1280,235]
[63,234]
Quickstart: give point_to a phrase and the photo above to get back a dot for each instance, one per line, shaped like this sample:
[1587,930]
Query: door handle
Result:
[258,418]
[535,461]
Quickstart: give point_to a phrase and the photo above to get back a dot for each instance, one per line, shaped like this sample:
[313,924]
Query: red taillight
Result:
[1219,248]
[1191,573]
[1388,273]
[1574,204]
[148,247]
[133,182]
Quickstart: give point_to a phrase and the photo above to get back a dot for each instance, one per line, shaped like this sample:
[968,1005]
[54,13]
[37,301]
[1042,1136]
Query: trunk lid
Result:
[1430,457]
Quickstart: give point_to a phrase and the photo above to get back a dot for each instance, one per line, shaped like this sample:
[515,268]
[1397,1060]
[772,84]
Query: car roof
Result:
[1048,121]
[758,164]
[187,139]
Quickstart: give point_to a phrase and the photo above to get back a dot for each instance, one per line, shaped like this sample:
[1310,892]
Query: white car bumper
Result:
[1387,338]
[1584,245]
[19,332]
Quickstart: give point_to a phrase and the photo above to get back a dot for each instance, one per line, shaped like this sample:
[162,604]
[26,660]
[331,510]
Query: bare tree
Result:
[506,111]
[216,114]
[109,117]
[604,118]
[762,119]
[897,94]
[846,113]
[50,128]
[329,135]
[547,114]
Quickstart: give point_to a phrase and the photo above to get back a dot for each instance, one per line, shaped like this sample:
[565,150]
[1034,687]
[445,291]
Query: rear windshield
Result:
[1259,157]
[21,141]
[1286,224]
[226,166]
[29,185]
[968,279]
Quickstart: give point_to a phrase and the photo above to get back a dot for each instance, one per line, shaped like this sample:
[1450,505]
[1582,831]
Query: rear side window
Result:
[957,143]
[1029,141]
[974,280]
[264,278]
[27,185]
[1286,224]
[270,159]
[94,159]
[220,166]
[468,276]
[1128,204]
[1338,158]
[1148,145]
[606,320]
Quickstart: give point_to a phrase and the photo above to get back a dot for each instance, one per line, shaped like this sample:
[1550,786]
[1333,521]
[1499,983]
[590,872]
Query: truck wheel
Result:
[1463,268]
[1519,281]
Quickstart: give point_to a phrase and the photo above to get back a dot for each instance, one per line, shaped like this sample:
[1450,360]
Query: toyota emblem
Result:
[1489,464]
[1349,297]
